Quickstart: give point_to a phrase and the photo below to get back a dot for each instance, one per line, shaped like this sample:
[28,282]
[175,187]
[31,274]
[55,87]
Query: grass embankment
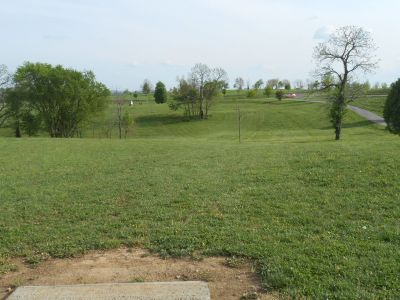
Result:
[320,217]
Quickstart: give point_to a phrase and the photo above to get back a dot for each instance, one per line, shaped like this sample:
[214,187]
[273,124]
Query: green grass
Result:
[375,104]
[321,218]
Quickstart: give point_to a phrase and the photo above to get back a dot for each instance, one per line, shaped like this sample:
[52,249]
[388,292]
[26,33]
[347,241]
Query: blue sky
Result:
[124,41]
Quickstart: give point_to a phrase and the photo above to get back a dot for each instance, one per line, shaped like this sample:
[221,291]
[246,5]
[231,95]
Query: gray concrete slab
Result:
[189,290]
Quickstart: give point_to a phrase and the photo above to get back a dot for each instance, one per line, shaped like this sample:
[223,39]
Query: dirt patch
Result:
[228,279]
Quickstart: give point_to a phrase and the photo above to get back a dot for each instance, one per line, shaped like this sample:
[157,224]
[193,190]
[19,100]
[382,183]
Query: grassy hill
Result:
[320,218]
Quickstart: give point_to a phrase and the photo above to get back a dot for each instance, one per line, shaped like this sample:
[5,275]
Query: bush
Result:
[279,95]
[251,94]
[392,108]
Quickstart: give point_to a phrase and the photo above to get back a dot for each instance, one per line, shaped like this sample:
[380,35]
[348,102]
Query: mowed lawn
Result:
[320,218]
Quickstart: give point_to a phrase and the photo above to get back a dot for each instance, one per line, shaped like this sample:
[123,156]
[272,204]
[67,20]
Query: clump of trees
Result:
[349,50]
[392,108]
[160,93]
[196,94]
[276,83]
[56,99]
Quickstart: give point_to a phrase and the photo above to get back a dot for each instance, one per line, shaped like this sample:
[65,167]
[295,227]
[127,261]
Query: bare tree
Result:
[349,50]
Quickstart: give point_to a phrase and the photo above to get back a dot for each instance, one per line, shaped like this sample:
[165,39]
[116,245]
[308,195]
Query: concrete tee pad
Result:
[189,290]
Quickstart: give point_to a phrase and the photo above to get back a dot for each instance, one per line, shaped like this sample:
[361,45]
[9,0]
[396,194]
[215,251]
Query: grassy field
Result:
[375,104]
[320,218]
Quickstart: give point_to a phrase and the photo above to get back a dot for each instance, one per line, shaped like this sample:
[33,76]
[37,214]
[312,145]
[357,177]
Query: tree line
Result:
[61,100]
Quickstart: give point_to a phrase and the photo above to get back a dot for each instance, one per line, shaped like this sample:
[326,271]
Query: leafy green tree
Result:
[160,93]
[186,96]
[63,98]
[279,95]
[392,108]
[31,123]
[14,109]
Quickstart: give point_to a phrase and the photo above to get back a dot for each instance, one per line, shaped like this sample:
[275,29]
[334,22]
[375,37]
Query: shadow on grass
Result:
[154,120]
[291,102]
[352,125]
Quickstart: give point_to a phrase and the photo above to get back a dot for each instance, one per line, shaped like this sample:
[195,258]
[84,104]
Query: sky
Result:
[125,42]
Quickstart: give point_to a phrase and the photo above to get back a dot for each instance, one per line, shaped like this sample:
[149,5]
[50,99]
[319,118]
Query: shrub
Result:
[251,94]
[279,94]
[392,108]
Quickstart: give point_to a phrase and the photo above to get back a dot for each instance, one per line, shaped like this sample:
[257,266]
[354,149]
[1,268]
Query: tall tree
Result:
[63,98]
[349,50]
[160,93]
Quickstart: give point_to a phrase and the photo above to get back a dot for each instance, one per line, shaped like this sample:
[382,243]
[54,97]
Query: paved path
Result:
[370,116]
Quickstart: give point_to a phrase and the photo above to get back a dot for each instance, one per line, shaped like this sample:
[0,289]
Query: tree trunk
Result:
[18,131]
[338,131]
